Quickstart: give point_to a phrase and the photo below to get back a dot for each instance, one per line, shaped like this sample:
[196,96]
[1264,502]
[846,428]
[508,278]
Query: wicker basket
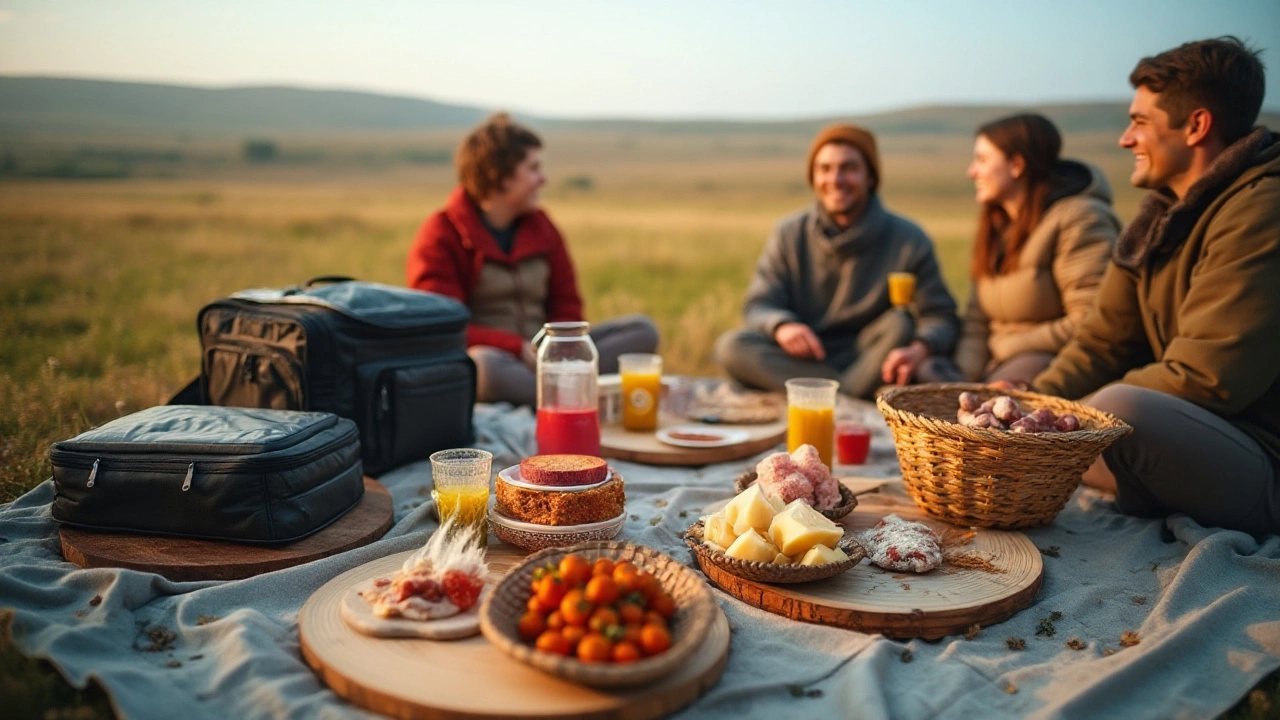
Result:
[695,613]
[990,478]
[768,572]
[848,501]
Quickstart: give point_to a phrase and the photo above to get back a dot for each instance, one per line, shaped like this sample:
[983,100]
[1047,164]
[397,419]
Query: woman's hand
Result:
[799,341]
[902,362]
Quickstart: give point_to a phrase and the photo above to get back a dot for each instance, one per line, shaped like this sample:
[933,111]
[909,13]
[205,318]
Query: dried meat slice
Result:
[902,546]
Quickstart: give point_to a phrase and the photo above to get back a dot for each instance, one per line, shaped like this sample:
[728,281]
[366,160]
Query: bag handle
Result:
[327,279]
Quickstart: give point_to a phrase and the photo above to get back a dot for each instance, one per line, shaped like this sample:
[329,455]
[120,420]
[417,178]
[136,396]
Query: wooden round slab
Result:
[643,447]
[944,601]
[186,559]
[410,678]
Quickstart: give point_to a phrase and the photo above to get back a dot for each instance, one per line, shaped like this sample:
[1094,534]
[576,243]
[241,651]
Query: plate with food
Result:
[558,473]
[436,593]
[701,436]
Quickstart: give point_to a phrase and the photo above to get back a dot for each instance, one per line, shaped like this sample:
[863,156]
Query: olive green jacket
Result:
[1190,304]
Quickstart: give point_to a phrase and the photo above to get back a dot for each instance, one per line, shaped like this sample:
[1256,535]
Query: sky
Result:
[748,59]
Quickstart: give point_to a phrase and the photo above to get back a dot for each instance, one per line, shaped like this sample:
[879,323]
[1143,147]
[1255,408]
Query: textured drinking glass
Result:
[641,386]
[461,492]
[811,410]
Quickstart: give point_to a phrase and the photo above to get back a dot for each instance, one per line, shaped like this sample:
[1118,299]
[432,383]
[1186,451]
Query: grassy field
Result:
[101,279]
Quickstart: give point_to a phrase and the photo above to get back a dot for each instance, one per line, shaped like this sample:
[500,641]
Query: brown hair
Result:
[488,157]
[1036,140]
[1222,75]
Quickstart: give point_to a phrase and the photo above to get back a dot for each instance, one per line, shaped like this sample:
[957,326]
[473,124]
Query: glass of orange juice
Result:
[902,288]
[461,492]
[641,387]
[811,409]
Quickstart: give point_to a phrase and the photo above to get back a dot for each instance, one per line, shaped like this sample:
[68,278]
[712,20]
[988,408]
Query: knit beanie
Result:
[858,137]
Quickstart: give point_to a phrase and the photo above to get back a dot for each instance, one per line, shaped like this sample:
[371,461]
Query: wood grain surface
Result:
[643,447]
[945,601]
[410,678]
[187,559]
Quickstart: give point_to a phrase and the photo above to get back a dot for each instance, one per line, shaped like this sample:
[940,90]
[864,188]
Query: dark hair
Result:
[490,154]
[1222,75]
[1037,141]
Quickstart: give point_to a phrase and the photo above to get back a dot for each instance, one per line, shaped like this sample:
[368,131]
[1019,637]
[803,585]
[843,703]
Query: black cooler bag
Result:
[217,473]
[392,359]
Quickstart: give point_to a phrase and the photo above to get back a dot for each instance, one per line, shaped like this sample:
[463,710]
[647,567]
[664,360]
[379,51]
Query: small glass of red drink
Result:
[853,442]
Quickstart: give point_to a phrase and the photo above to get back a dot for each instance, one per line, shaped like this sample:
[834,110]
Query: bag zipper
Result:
[71,459]
[248,350]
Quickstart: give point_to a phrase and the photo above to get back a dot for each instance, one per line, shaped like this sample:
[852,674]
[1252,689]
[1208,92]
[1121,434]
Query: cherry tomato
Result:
[625,652]
[531,625]
[574,571]
[552,642]
[594,648]
[602,566]
[602,590]
[575,609]
[654,639]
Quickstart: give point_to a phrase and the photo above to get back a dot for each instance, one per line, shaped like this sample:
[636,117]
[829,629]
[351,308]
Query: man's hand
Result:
[902,362]
[799,341]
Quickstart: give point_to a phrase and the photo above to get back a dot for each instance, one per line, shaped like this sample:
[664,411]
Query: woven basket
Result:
[848,501]
[695,613]
[990,478]
[768,572]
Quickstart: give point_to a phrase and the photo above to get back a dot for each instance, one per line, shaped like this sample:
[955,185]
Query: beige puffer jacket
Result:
[1037,306]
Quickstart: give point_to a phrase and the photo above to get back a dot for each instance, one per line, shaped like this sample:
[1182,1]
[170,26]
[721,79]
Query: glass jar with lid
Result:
[568,404]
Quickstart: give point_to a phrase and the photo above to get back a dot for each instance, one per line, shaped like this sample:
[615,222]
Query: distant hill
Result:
[65,106]
[61,105]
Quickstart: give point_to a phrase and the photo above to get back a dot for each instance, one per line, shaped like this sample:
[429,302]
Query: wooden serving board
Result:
[412,678]
[186,559]
[643,447]
[944,601]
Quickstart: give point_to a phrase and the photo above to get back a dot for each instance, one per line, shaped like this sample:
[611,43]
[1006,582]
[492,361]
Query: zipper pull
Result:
[186,484]
[93,473]
[386,400]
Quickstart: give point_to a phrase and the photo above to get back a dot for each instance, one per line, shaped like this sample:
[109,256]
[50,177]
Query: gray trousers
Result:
[757,361]
[503,377]
[1183,458]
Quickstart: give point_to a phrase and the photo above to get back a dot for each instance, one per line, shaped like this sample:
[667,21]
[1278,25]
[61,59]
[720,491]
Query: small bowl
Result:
[695,612]
[768,572]
[531,536]
[848,501]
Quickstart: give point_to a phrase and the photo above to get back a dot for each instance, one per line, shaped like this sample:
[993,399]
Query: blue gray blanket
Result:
[1203,604]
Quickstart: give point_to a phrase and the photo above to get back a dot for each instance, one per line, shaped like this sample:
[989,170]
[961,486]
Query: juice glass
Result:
[902,288]
[811,409]
[853,442]
[641,388]
[461,492]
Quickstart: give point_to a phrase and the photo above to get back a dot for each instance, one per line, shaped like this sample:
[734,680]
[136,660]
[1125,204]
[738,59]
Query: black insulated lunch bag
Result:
[217,473]
[392,359]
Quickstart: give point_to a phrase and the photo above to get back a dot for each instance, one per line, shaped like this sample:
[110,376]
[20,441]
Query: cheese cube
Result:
[751,509]
[821,555]
[799,527]
[751,546]
[781,559]
[717,530]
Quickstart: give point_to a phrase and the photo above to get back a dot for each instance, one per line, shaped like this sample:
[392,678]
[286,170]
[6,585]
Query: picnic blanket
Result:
[1202,602]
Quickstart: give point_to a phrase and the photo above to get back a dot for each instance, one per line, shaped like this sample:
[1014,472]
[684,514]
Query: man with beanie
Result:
[1183,341]
[818,305]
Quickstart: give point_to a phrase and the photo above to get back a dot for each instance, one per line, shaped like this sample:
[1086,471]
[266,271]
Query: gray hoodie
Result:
[835,280]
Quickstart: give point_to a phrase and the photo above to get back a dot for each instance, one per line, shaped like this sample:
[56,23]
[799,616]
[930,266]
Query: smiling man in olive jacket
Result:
[1183,341]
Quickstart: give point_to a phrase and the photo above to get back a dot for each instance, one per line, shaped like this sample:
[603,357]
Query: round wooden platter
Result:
[187,559]
[470,678]
[644,447]
[944,601]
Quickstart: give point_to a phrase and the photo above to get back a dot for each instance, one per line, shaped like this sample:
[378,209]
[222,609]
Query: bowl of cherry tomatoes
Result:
[604,614]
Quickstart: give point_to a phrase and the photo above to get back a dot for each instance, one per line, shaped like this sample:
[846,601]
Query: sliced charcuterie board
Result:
[992,575]
[644,447]
[471,678]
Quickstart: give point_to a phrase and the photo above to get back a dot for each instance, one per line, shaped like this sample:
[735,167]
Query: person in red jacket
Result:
[493,249]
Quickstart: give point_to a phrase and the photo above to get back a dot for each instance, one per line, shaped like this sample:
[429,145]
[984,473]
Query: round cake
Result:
[555,507]
[563,470]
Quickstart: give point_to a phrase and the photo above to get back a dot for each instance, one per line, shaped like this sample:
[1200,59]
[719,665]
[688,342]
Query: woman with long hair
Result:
[1045,234]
